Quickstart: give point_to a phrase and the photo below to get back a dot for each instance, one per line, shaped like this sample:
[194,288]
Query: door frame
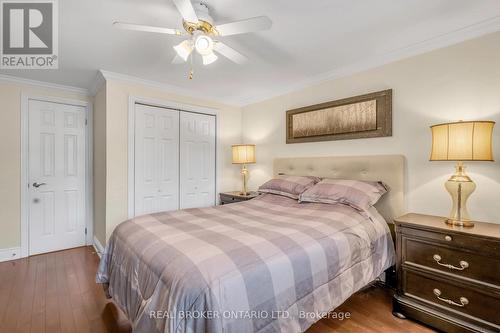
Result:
[25,218]
[132,101]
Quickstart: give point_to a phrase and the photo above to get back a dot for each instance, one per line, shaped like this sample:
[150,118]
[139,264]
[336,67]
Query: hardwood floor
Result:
[56,292]
[370,311]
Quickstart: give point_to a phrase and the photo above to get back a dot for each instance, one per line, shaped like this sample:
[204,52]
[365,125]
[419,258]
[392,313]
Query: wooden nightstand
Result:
[448,277]
[235,196]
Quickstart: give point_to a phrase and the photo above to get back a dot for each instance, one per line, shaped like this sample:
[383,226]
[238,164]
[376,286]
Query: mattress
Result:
[269,264]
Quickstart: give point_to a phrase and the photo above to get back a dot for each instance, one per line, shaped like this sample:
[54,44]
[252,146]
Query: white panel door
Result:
[156,159]
[197,160]
[57,176]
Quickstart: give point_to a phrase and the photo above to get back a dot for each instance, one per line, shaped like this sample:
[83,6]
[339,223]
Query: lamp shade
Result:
[243,154]
[462,141]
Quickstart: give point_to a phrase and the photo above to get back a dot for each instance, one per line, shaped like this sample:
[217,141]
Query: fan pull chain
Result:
[191,72]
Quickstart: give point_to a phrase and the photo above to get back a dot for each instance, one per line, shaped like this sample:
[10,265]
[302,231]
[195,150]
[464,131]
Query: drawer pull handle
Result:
[463,264]
[447,238]
[463,301]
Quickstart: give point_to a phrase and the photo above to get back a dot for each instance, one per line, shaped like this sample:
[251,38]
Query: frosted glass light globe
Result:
[204,45]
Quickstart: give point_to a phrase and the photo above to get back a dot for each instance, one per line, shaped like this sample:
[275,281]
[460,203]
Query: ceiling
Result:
[309,40]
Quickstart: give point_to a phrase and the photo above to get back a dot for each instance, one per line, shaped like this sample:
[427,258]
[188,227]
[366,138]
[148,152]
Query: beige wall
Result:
[99,161]
[10,152]
[458,82]
[117,99]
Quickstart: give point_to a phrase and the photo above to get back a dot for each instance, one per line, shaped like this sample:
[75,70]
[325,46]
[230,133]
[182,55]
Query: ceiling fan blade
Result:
[241,27]
[147,28]
[185,7]
[230,53]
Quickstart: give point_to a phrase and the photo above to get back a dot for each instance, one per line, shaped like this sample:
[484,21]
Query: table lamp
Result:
[244,154]
[461,141]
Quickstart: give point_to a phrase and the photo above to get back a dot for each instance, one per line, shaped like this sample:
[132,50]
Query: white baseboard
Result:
[98,247]
[12,253]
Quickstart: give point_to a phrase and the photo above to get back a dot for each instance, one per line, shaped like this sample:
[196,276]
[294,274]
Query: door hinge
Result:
[85,121]
[85,231]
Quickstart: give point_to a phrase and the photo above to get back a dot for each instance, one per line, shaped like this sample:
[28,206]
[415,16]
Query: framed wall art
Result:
[364,116]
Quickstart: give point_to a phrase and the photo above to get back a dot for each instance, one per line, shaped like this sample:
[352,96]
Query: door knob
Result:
[37,185]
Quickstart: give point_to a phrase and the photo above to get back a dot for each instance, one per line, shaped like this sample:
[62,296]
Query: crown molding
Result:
[447,39]
[168,88]
[97,84]
[18,80]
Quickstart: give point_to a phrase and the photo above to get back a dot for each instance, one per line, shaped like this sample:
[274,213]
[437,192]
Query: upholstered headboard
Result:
[387,168]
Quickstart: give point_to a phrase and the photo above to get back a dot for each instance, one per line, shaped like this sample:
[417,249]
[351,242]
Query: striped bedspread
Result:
[265,265]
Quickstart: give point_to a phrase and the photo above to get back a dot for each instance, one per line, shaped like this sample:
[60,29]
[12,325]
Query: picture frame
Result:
[358,117]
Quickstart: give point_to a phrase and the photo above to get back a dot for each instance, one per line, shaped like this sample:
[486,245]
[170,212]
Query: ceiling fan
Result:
[203,35]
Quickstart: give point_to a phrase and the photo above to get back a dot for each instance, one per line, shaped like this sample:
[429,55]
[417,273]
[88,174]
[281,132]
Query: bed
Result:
[270,264]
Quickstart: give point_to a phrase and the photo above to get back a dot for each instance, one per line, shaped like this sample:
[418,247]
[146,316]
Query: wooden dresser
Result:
[448,277]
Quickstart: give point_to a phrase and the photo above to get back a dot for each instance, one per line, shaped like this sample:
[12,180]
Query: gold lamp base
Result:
[460,186]
[466,224]
[244,175]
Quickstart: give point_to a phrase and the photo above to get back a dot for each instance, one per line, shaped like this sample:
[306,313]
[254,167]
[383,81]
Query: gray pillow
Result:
[288,186]
[355,193]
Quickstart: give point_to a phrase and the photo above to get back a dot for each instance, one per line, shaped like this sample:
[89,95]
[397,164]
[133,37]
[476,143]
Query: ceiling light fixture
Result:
[203,44]
[203,36]
[184,49]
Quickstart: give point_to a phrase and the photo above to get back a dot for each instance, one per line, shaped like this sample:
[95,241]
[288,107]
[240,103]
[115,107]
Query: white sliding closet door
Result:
[156,159]
[197,160]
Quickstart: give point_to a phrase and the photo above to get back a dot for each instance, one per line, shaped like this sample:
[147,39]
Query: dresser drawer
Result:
[482,245]
[442,293]
[466,264]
